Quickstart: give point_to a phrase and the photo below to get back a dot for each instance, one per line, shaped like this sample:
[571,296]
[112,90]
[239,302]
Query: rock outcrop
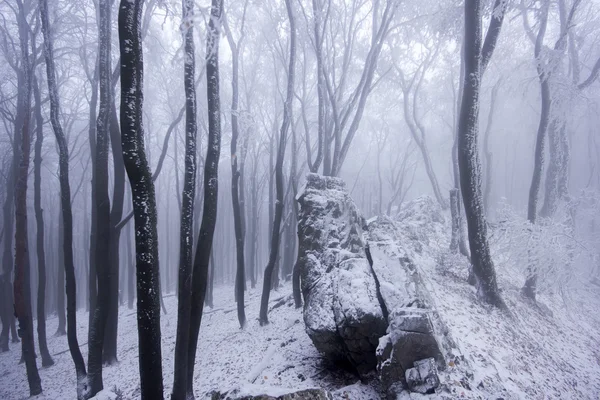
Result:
[342,313]
[365,301]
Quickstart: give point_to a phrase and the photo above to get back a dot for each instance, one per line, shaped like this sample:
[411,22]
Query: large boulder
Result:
[365,300]
[342,313]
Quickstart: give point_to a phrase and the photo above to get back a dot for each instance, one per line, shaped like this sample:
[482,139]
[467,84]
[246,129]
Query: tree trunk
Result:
[186,237]
[109,355]
[287,118]
[22,286]
[39,218]
[468,159]
[92,283]
[236,188]
[211,187]
[7,311]
[144,200]
[100,178]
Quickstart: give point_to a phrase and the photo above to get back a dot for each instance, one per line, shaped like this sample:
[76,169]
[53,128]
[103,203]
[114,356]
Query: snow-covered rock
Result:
[423,378]
[342,313]
[415,330]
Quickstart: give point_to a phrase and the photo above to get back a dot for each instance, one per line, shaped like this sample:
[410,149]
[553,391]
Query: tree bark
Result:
[39,219]
[144,200]
[238,212]
[287,118]
[186,237]
[109,353]
[468,159]
[100,178]
[22,286]
[211,187]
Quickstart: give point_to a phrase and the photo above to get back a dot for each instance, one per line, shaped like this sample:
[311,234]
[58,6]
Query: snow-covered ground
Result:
[227,357]
[532,355]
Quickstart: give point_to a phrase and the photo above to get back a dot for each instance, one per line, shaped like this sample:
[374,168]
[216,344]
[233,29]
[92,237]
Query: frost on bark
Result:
[144,200]
[285,125]
[236,188]
[66,211]
[21,284]
[468,159]
[211,187]
[186,236]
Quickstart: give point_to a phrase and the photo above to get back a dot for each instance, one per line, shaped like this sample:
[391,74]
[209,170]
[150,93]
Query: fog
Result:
[155,155]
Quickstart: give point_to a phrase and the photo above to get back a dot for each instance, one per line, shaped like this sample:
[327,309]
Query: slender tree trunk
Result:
[39,218]
[144,200]
[102,259]
[238,212]
[60,294]
[468,159]
[109,355]
[211,187]
[22,286]
[6,292]
[287,118]
[92,283]
[186,237]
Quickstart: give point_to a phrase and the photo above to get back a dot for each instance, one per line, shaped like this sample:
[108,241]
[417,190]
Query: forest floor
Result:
[538,352]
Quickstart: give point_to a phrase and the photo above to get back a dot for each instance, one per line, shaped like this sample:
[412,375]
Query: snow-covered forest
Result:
[300,199]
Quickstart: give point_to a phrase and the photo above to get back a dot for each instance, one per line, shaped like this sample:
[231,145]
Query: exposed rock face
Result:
[415,330]
[372,315]
[423,378]
[342,313]
[306,394]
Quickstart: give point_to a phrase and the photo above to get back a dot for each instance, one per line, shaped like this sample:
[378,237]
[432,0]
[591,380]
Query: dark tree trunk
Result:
[39,218]
[287,117]
[211,187]
[92,283]
[186,237]
[22,287]
[100,178]
[60,280]
[238,212]
[468,159]
[109,355]
[6,292]
[144,200]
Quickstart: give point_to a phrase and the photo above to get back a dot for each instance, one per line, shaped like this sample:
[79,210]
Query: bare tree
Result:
[211,187]
[144,200]
[22,288]
[66,211]
[285,125]
[468,158]
[186,238]
[236,190]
